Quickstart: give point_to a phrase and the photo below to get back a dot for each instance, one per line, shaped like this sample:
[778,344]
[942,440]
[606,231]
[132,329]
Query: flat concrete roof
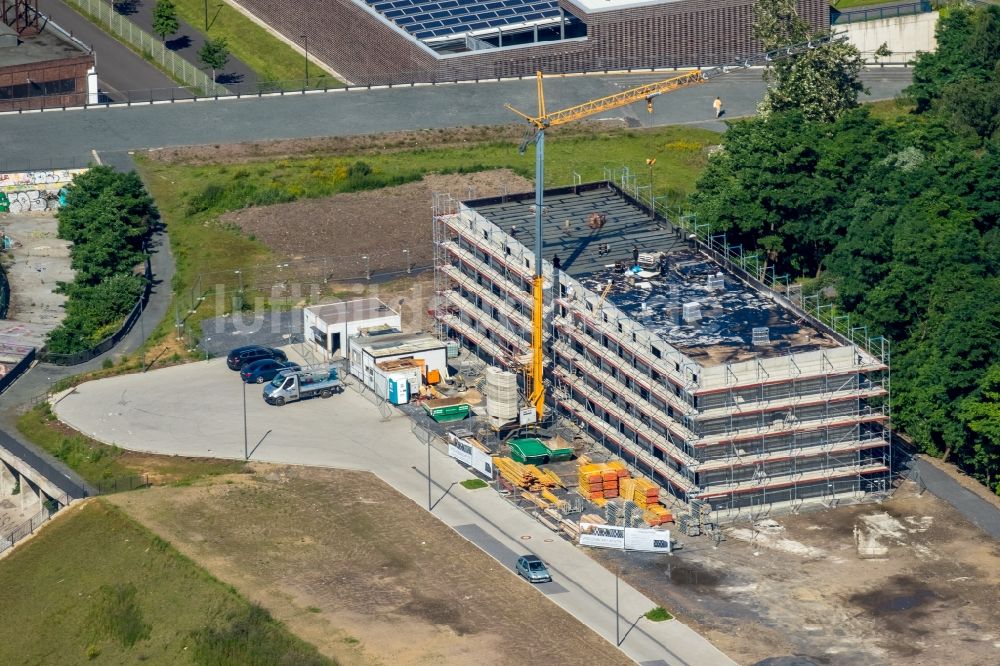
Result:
[344,312]
[47,45]
[394,344]
[655,298]
[566,233]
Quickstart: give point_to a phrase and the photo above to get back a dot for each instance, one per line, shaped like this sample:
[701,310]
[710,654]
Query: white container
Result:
[501,395]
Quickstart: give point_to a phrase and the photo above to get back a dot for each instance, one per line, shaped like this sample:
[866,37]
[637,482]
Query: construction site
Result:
[719,389]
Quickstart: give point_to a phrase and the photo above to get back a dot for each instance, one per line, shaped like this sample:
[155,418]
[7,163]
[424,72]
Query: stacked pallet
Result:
[613,511]
[646,493]
[657,514]
[600,480]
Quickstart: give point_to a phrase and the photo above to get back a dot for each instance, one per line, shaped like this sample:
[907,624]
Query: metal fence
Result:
[110,341]
[881,12]
[4,293]
[150,47]
[121,484]
[8,538]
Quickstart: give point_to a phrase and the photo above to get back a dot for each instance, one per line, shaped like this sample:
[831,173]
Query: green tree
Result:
[214,54]
[822,83]
[981,414]
[165,19]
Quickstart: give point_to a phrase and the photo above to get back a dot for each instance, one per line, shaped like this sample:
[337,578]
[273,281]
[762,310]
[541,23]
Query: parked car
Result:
[533,569]
[244,355]
[264,370]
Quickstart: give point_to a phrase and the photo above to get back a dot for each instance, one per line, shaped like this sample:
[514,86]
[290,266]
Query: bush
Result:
[251,636]
[107,216]
[116,615]
[658,614]
[473,484]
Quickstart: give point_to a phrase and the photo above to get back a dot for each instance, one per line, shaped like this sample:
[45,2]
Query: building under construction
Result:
[667,352]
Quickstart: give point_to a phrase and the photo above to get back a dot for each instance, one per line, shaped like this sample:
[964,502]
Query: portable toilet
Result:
[399,390]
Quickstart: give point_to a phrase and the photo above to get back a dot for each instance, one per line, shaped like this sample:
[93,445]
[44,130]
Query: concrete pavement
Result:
[67,136]
[196,410]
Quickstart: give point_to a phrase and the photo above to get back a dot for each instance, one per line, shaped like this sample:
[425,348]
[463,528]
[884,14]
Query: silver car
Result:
[533,569]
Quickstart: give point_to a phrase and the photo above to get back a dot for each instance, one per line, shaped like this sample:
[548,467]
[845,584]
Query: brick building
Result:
[402,41]
[45,69]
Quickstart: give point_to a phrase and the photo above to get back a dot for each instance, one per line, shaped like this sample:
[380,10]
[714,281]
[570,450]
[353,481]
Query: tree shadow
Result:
[127,7]
[178,43]
[226,79]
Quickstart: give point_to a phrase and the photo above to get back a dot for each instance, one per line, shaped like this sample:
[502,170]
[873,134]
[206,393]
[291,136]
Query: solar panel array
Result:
[439,18]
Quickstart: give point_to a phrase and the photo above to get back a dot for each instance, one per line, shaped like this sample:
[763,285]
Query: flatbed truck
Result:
[292,385]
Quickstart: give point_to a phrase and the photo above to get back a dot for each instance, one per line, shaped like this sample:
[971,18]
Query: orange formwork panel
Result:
[611,493]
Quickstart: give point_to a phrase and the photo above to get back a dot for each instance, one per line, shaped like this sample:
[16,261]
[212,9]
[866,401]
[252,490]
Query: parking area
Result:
[197,410]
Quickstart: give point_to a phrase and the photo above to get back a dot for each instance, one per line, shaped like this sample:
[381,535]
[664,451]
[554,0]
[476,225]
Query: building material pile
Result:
[600,480]
[526,476]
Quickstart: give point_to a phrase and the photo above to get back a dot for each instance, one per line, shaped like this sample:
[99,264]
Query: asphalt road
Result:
[66,136]
[978,511]
[196,409]
[118,68]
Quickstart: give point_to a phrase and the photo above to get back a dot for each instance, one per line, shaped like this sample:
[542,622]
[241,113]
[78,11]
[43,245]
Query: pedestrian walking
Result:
[717,105]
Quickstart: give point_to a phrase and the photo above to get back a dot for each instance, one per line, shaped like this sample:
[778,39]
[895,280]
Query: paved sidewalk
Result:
[187,41]
[196,410]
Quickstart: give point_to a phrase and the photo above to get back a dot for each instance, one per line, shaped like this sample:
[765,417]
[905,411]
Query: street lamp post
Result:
[429,507]
[618,639]
[305,38]
[246,442]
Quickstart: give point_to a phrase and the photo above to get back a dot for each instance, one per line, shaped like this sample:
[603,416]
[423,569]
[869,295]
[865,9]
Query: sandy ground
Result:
[361,572]
[390,226]
[903,582]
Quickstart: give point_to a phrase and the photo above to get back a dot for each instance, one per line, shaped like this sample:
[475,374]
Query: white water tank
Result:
[501,395]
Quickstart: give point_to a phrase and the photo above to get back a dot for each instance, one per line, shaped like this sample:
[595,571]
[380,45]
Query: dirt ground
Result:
[907,581]
[362,572]
[379,224]
[352,145]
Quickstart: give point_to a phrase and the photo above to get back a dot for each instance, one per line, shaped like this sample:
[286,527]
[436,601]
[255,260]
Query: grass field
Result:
[363,573]
[191,197]
[97,462]
[844,5]
[272,59]
[95,585]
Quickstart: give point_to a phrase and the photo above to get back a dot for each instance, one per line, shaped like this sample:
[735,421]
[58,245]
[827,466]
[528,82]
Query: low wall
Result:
[902,34]
[32,191]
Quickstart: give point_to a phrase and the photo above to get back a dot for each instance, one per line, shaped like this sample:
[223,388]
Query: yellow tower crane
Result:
[544,120]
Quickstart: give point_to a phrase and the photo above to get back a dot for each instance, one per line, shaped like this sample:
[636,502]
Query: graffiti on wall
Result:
[34,191]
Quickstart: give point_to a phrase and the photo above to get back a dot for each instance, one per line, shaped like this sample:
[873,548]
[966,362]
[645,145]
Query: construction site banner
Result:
[647,540]
[602,536]
[464,452]
[625,538]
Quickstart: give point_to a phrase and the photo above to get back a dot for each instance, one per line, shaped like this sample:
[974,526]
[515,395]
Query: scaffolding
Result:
[780,428]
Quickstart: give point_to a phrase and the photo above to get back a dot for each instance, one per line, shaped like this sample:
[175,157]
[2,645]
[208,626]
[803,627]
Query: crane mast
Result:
[542,121]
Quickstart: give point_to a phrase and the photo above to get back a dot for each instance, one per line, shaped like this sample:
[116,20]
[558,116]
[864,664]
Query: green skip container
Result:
[447,410]
[529,451]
